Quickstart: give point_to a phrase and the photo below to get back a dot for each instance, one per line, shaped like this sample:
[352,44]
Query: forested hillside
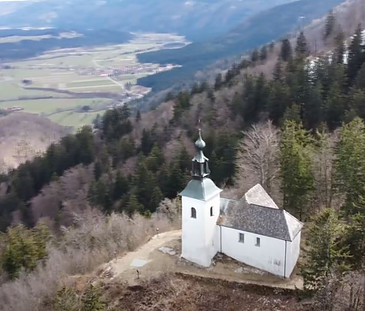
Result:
[257,30]
[194,19]
[297,129]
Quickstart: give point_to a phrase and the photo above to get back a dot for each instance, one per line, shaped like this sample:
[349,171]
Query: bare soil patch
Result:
[188,293]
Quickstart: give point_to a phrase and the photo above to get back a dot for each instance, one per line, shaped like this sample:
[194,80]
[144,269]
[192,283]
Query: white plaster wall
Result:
[269,256]
[292,254]
[199,235]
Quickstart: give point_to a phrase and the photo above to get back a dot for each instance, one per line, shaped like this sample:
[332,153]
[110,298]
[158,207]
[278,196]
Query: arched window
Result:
[211,211]
[193,212]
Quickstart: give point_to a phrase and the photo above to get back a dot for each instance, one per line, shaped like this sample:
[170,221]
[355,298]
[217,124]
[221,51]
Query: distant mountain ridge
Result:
[255,31]
[196,19]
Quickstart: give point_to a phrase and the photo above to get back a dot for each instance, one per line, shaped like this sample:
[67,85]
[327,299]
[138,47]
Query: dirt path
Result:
[123,264]
[150,261]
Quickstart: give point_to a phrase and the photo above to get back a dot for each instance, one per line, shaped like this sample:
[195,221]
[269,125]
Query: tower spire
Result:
[200,168]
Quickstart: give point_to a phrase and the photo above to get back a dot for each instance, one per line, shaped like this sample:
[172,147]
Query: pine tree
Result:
[360,78]
[218,81]
[278,101]
[355,237]
[144,182]
[335,107]
[66,300]
[255,55]
[340,49]
[355,55]
[330,24]
[121,186]
[312,109]
[278,72]
[138,116]
[292,113]
[156,198]
[302,49]
[350,165]
[286,52]
[134,206]
[357,100]
[92,300]
[296,168]
[263,53]
[325,255]
[23,248]
[155,159]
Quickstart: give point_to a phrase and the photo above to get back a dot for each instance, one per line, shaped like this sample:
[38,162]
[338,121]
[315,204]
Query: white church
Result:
[252,230]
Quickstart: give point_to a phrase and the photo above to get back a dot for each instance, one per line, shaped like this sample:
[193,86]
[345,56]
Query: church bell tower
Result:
[200,211]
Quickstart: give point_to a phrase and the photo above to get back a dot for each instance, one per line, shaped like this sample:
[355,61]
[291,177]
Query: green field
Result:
[67,74]
[74,119]
[49,107]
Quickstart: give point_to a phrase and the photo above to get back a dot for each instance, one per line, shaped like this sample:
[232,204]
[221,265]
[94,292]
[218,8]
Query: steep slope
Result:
[258,30]
[23,136]
[195,19]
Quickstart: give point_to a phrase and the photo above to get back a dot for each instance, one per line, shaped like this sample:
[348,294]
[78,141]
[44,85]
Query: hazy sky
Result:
[15,0]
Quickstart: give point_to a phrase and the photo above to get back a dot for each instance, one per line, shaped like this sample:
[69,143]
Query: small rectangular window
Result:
[257,242]
[211,211]
[241,238]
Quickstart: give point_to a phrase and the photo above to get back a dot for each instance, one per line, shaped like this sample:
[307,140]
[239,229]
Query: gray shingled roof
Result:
[263,220]
[203,189]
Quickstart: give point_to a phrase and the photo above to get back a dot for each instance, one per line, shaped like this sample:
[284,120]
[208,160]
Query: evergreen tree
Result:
[263,53]
[176,180]
[138,116]
[23,248]
[98,170]
[312,109]
[85,152]
[99,194]
[360,78]
[355,55]
[121,186]
[335,107]
[278,73]
[350,165]
[357,100]
[92,300]
[292,113]
[218,81]
[330,25]
[325,255]
[155,159]
[286,52]
[147,141]
[156,198]
[296,168]
[278,101]
[255,55]
[302,49]
[340,49]
[355,237]
[144,182]
[133,205]
[66,300]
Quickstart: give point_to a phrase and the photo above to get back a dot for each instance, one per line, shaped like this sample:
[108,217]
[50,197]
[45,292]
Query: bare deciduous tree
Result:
[323,169]
[257,157]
